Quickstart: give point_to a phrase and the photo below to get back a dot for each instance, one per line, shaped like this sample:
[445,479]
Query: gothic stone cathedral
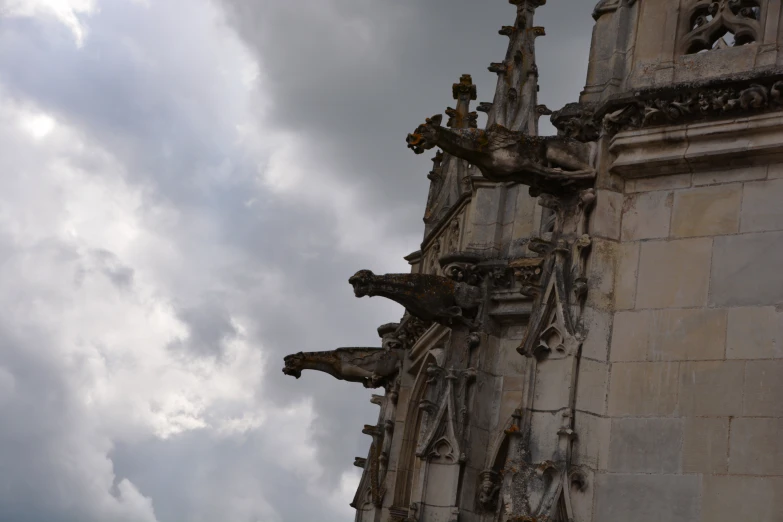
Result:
[594,322]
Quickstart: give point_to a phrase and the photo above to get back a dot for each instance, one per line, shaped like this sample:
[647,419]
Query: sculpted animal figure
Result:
[548,164]
[369,366]
[427,297]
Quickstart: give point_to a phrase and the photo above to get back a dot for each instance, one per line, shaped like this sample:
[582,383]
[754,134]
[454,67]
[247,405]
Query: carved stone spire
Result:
[449,173]
[516,96]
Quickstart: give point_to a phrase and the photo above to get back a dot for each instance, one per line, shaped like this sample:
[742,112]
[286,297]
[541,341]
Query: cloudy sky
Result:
[185,188]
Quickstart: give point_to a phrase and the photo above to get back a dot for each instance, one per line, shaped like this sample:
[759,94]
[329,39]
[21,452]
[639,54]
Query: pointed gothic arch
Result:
[408,464]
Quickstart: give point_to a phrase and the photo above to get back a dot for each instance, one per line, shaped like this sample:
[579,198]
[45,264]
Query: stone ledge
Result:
[701,146]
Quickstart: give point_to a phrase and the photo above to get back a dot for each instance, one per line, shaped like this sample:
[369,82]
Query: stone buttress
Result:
[593,326]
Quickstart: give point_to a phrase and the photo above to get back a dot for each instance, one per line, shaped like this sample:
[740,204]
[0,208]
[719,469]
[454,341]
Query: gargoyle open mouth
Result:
[292,372]
[361,289]
[362,283]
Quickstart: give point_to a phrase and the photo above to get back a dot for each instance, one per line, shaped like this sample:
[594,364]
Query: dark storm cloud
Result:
[349,78]
[358,87]
[355,77]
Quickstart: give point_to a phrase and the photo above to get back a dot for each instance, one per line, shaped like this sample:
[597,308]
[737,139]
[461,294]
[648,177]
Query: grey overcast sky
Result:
[185,188]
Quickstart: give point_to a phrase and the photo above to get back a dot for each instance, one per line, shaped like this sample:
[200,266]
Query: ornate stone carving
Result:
[527,271]
[410,330]
[461,267]
[553,330]
[577,121]
[683,104]
[541,490]
[687,105]
[446,419]
[504,155]
[501,275]
[370,366]
[428,297]
[489,488]
[705,23]
[536,492]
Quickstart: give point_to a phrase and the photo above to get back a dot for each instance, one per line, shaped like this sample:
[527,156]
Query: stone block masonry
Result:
[594,320]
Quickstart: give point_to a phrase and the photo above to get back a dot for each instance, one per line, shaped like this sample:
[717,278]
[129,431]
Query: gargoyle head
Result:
[362,282]
[423,138]
[294,364]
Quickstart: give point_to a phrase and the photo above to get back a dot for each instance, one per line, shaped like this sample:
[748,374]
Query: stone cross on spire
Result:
[461,117]
[516,96]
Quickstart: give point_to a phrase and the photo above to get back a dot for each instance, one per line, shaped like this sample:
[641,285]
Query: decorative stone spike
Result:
[484,107]
[360,462]
[498,67]
[436,174]
[507,30]
[373,431]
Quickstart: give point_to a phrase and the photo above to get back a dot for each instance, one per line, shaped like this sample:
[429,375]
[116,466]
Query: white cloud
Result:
[70,13]
[105,242]
[37,125]
[85,267]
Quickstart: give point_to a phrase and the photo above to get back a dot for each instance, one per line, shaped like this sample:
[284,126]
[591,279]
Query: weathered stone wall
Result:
[680,419]
[630,369]
[649,43]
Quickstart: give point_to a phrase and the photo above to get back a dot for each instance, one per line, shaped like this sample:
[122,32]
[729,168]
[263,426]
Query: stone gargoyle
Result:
[548,164]
[427,297]
[370,366]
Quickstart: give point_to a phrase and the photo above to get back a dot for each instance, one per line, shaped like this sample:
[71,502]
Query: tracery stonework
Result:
[592,313]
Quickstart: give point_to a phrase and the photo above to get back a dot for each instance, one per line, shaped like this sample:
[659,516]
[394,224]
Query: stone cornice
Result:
[729,97]
[740,142]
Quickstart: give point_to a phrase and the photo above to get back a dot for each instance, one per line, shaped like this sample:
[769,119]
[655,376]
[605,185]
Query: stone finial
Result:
[464,92]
